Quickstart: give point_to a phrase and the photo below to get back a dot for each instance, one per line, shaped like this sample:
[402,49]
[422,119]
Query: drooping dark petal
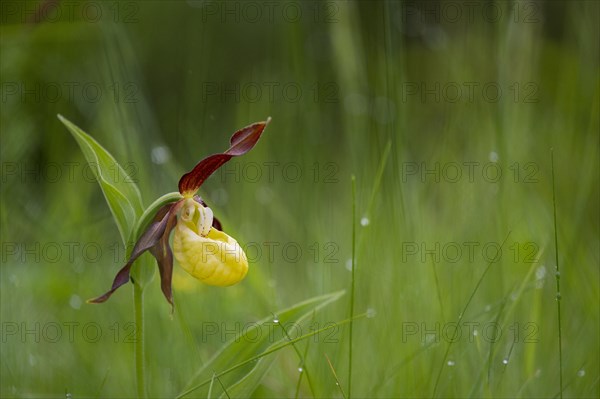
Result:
[216,223]
[164,256]
[241,142]
[150,238]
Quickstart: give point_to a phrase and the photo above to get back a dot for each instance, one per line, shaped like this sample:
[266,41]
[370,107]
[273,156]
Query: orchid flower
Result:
[199,244]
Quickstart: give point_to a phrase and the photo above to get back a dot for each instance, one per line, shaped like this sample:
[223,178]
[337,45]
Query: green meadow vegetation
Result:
[421,215]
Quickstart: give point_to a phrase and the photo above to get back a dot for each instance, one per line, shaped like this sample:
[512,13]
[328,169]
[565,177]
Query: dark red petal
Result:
[216,223]
[150,238]
[164,256]
[241,142]
[191,181]
[244,139]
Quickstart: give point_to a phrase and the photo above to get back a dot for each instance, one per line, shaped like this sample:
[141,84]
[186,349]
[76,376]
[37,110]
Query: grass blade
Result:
[557,275]
[352,286]
[337,381]
[460,316]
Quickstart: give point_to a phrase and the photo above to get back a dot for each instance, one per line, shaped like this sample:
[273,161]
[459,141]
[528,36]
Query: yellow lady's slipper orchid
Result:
[206,253]
[200,245]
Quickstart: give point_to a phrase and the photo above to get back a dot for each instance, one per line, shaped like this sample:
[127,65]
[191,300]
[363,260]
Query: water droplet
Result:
[349,264]
[160,154]
[264,195]
[300,369]
[337,384]
[276,320]
[504,361]
[581,373]
[558,296]
[356,103]
[371,313]
[383,110]
[219,196]
[364,221]
[75,301]
[540,272]
[451,363]
[14,280]
[493,156]
[557,274]
[475,333]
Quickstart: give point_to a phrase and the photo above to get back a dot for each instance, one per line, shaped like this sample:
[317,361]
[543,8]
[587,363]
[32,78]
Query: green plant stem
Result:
[140,353]
[352,286]
[557,276]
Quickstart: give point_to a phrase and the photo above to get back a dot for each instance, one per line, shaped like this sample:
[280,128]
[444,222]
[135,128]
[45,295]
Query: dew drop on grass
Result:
[349,264]
[451,363]
[275,319]
[75,301]
[475,333]
[160,154]
[219,196]
[505,361]
[540,272]
[364,221]
[558,296]
[493,156]
[14,280]
[371,313]
[300,369]
[264,195]
[581,373]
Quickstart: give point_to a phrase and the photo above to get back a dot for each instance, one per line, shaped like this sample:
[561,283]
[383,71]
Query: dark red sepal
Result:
[149,239]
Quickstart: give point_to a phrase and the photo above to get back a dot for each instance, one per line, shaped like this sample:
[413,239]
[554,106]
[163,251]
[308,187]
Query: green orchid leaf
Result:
[120,191]
[244,377]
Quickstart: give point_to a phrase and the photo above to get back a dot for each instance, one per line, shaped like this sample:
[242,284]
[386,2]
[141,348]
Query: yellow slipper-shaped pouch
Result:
[206,253]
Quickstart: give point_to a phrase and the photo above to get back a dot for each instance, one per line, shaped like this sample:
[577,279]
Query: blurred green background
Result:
[446,113]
